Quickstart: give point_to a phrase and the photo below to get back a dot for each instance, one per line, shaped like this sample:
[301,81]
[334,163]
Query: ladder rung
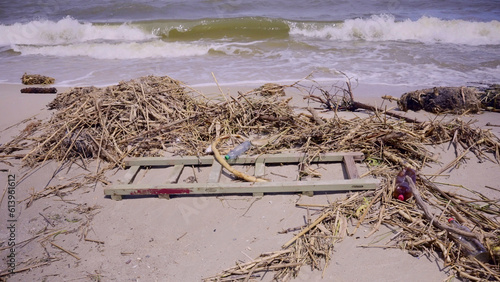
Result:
[350,167]
[215,173]
[175,174]
[131,173]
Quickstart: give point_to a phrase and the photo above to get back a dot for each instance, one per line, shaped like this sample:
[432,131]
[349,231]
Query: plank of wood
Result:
[175,174]
[215,173]
[131,173]
[243,187]
[350,167]
[260,168]
[241,160]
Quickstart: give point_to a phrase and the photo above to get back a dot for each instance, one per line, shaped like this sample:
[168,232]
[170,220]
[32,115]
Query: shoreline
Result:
[17,106]
[35,104]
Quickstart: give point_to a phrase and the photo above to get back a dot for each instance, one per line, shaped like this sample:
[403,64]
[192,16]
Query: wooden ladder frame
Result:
[212,186]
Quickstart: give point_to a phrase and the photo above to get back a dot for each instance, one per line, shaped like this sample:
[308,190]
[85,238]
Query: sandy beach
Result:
[82,235]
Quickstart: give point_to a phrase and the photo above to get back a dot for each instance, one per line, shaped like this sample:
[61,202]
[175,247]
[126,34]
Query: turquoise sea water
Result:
[388,42]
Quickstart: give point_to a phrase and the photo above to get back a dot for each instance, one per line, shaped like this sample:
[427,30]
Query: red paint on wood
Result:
[160,191]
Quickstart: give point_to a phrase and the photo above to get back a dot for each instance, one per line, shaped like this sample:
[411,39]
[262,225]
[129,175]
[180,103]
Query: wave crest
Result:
[67,31]
[385,28]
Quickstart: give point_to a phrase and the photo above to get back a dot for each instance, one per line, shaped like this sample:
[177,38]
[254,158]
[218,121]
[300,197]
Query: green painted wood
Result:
[242,160]
[131,173]
[260,168]
[215,173]
[244,187]
[175,174]
[350,167]
[257,189]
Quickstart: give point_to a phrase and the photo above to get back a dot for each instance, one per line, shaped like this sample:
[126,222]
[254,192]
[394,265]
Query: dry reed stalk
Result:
[64,250]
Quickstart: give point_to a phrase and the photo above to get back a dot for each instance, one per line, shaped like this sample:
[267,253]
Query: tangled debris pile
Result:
[30,79]
[152,115]
[490,97]
[390,143]
[455,100]
[416,233]
[142,117]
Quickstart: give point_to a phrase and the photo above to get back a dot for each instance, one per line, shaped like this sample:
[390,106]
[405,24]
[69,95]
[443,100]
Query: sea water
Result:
[385,42]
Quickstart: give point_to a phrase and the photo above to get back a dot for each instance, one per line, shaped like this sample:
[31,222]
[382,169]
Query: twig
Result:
[180,237]
[315,116]
[305,230]
[18,270]
[360,221]
[46,219]
[457,159]
[64,250]
[379,222]
[94,241]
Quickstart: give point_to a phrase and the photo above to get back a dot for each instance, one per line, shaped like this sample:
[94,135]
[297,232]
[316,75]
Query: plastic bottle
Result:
[238,150]
[403,190]
[471,246]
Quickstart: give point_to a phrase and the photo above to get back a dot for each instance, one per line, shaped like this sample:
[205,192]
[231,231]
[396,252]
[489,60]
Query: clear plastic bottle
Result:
[403,190]
[471,246]
[238,150]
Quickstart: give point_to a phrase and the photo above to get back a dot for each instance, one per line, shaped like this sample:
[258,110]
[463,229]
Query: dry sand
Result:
[190,238]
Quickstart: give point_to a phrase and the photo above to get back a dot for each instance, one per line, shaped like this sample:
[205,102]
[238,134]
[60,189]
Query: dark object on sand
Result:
[456,100]
[30,79]
[39,90]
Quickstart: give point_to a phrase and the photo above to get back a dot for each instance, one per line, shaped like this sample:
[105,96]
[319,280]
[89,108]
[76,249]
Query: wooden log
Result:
[39,90]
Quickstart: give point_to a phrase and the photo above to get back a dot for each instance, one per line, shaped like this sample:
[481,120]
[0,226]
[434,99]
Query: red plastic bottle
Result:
[403,190]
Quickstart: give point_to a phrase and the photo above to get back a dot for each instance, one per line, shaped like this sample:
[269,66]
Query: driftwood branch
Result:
[431,218]
[358,105]
[39,90]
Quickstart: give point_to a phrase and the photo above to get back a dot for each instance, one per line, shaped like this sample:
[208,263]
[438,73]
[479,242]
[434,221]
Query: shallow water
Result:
[391,42]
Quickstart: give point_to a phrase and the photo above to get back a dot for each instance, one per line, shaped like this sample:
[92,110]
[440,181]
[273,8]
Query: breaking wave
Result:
[180,38]
[385,28]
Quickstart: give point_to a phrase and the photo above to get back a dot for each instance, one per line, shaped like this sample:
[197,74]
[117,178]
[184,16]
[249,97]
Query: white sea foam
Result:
[385,27]
[66,31]
[131,50]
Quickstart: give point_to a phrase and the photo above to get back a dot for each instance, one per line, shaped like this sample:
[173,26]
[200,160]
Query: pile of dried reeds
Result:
[490,97]
[419,230]
[143,117]
[146,116]
[112,122]
[389,144]
[30,79]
